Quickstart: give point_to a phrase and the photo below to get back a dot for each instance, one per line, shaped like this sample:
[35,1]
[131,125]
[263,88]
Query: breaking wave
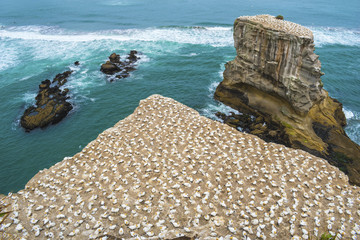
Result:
[214,36]
[331,36]
[353,125]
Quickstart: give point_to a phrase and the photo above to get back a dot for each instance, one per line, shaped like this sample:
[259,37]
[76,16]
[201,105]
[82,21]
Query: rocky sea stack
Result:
[51,104]
[275,77]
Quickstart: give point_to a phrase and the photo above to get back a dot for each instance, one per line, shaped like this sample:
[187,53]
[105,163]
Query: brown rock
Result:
[272,133]
[61,78]
[276,75]
[51,105]
[220,115]
[109,68]
[132,56]
[114,58]
[44,84]
[259,119]
[121,69]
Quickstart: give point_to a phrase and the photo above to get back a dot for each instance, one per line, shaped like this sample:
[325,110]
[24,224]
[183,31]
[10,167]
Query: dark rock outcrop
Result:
[110,68]
[51,104]
[275,78]
[118,68]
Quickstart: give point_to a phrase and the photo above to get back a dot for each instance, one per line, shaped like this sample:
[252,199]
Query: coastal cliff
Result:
[165,172]
[275,77]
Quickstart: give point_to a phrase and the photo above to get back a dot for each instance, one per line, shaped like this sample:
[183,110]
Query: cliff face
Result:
[276,76]
[276,62]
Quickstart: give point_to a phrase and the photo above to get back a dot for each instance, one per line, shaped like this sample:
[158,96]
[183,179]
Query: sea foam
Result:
[214,36]
[119,2]
[353,124]
[329,36]
[8,56]
[348,114]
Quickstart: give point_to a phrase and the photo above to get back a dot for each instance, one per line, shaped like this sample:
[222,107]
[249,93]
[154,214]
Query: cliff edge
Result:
[275,77]
[165,172]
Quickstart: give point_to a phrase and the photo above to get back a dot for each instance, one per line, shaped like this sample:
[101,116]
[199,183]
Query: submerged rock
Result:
[132,56]
[276,76]
[51,104]
[118,68]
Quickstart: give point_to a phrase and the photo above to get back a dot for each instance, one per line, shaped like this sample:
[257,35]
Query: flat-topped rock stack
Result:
[272,23]
[275,77]
[165,171]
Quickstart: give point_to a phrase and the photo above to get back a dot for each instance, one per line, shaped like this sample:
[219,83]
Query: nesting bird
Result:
[166,171]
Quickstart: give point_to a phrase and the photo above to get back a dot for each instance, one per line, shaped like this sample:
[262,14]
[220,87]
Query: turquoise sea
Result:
[184,45]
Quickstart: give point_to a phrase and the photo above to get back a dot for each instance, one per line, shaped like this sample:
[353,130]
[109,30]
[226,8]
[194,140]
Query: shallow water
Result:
[184,46]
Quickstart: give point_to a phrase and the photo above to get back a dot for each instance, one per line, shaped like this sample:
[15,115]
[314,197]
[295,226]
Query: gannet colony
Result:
[274,24]
[165,172]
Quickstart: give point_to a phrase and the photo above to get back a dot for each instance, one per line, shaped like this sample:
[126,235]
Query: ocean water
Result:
[184,45]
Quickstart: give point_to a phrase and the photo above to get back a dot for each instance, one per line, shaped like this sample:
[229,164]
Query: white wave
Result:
[353,124]
[215,106]
[348,114]
[143,59]
[353,132]
[212,88]
[225,29]
[75,69]
[190,55]
[15,124]
[26,78]
[214,36]
[212,108]
[82,82]
[330,36]
[119,2]
[9,56]
[29,98]
[47,50]
[221,74]
[36,29]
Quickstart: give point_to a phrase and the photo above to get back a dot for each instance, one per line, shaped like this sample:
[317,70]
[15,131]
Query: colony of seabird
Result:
[271,22]
[165,171]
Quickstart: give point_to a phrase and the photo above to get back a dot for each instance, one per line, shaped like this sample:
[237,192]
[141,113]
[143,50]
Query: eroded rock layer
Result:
[275,76]
[165,171]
